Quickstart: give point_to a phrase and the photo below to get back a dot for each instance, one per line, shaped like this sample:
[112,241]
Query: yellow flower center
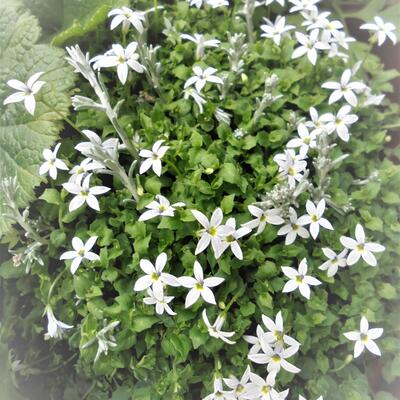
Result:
[364,338]
[154,277]
[229,239]
[239,389]
[212,231]
[265,390]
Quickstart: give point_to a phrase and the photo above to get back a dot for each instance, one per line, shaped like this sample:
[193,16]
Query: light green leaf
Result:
[84,16]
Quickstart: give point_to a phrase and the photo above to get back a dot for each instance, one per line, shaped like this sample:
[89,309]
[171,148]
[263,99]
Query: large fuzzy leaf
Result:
[22,136]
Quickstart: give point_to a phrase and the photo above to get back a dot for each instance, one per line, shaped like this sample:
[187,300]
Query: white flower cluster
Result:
[315,137]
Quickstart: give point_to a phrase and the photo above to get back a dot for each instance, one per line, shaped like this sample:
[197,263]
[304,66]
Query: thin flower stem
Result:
[60,217]
[90,390]
[249,20]
[174,167]
[57,278]
[112,116]
[229,305]
[57,367]
[64,117]
[347,361]
[128,183]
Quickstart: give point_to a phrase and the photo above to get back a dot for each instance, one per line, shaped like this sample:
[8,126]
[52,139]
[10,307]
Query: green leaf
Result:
[84,16]
[229,173]
[227,203]
[22,136]
[9,271]
[142,322]
[51,196]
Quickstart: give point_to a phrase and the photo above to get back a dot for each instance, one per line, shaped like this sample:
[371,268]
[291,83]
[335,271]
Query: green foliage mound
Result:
[211,162]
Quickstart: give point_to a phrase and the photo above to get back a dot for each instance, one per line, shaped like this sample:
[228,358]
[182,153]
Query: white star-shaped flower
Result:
[25,92]
[305,141]
[52,163]
[197,3]
[314,218]
[196,96]
[232,239]
[364,338]
[275,335]
[293,228]
[303,398]
[155,277]
[263,217]
[161,207]
[110,146]
[201,43]
[219,393]
[239,387]
[334,261]
[316,123]
[157,298]
[255,341]
[360,248]
[381,30]
[55,328]
[214,329]
[121,58]
[84,194]
[340,122]
[153,158]
[298,279]
[217,3]
[127,17]
[80,171]
[292,166]
[280,2]
[309,44]
[201,77]
[344,88]
[275,357]
[263,389]
[81,252]
[275,31]
[213,231]
[104,338]
[304,5]
[199,286]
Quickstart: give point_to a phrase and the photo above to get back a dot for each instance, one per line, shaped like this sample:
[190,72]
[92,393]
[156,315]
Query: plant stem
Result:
[63,117]
[102,94]
[57,278]
[249,8]
[229,305]
[128,183]
[174,167]
[19,218]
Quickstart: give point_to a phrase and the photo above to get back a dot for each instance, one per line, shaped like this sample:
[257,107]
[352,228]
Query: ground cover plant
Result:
[199,200]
